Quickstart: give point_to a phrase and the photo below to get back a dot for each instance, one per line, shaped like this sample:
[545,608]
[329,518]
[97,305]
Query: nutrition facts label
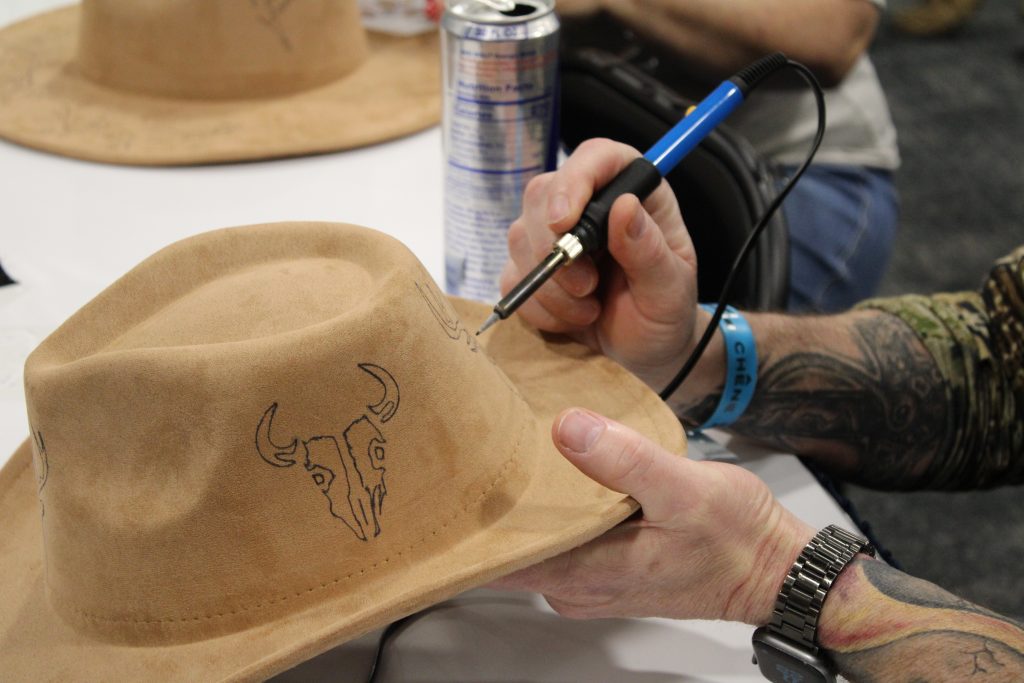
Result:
[498,134]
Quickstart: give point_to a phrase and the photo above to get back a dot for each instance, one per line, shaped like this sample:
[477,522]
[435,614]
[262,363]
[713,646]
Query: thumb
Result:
[649,263]
[615,456]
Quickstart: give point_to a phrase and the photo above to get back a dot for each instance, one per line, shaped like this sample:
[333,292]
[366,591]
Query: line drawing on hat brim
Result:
[552,508]
[33,638]
[46,105]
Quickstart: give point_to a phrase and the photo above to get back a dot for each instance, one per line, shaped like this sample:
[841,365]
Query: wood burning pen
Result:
[640,178]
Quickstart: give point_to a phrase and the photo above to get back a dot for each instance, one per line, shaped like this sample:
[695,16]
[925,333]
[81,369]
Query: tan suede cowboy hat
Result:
[198,81]
[264,441]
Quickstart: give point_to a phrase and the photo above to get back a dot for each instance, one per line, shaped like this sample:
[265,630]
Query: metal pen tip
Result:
[493,318]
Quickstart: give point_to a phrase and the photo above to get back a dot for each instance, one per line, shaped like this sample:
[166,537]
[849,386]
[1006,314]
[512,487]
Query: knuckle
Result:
[720,483]
[654,250]
[536,187]
[579,278]
[634,463]
[593,144]
[517,237]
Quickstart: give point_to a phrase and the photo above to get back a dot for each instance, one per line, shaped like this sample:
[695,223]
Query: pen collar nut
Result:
[569,245]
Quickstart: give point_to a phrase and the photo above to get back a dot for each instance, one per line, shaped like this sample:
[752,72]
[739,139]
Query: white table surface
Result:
[68,228]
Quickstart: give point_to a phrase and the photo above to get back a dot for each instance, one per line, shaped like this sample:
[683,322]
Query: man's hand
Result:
[713,543]
[638,306]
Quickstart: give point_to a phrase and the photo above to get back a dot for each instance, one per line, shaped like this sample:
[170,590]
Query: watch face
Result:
[782,666]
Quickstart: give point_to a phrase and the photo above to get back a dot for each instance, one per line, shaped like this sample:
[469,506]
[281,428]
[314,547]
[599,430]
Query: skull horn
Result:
[386,408]
[268,450]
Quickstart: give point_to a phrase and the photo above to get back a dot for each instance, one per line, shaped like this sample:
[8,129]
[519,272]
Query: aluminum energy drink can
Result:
[500,73]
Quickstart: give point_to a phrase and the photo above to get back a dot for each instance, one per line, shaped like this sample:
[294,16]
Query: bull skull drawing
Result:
[355,495]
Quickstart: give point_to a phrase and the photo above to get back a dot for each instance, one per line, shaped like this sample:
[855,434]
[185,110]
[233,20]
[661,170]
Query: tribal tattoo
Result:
[876,416]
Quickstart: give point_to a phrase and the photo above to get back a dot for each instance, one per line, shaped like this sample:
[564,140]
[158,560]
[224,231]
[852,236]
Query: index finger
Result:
[589,168]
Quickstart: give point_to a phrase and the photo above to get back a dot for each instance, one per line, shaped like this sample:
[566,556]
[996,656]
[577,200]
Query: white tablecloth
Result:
[68,228]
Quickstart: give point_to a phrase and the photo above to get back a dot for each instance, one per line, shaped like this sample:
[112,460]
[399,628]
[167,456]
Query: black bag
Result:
[723,186]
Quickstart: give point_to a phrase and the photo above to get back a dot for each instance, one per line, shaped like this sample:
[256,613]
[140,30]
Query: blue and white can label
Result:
[499,130]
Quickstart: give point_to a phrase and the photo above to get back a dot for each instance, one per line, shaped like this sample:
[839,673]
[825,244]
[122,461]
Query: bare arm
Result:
[722,37]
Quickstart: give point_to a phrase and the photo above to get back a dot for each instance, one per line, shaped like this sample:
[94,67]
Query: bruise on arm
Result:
[879,624]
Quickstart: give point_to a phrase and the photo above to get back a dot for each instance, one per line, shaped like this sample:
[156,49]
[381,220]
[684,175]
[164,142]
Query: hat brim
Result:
[46,104]
[559,509]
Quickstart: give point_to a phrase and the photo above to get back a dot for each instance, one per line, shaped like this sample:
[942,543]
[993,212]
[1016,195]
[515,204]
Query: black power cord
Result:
[748,245]
[5,279]
[389,634]
[395,628]
[752,77]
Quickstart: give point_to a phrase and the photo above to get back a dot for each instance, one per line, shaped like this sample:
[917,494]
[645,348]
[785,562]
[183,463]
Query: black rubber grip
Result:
[748,77]
[640,178]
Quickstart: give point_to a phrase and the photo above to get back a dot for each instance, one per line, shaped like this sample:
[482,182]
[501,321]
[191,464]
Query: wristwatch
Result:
[786,649]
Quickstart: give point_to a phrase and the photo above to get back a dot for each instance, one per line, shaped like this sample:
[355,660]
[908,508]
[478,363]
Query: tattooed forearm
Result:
[862,396]
[899,586]
[879,624]
[937,656]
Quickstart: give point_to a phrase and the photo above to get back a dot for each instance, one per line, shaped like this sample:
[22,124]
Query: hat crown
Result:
[255,419]
[208,49]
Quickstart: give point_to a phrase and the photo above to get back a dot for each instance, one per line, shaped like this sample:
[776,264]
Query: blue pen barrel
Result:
[667,152]
[641,177]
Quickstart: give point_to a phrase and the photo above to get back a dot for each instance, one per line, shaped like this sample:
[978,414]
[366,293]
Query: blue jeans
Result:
[842,222]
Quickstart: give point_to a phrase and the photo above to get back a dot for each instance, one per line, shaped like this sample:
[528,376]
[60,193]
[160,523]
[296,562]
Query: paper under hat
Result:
[198,81]
[264,441]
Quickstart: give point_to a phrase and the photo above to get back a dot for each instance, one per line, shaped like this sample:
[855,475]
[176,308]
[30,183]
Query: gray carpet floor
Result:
[958,103]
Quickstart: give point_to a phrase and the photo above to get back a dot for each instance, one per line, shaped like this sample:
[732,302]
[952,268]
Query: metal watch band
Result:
[798,605]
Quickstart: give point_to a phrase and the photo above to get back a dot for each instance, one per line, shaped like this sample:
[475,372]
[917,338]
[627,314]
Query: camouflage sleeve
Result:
[977,342]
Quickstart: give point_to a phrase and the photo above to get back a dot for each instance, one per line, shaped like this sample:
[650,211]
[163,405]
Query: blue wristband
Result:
[740,367]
